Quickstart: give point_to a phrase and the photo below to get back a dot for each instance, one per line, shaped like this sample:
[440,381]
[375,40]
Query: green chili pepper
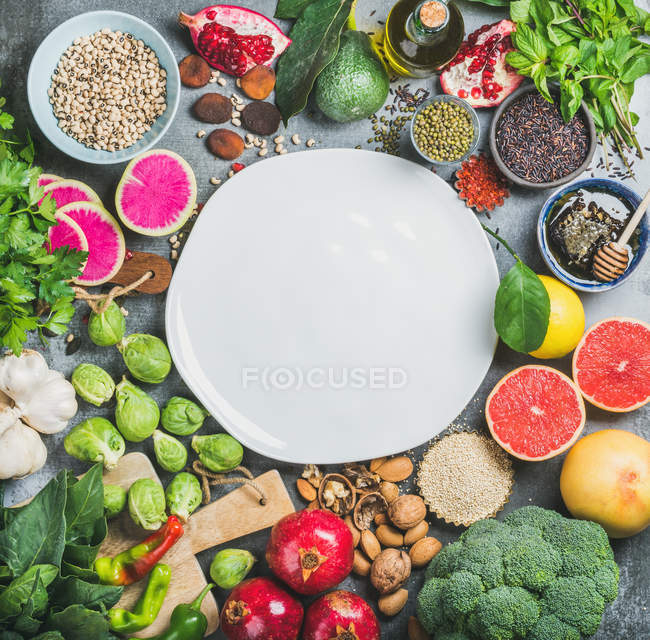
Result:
[147,607]
[187,622]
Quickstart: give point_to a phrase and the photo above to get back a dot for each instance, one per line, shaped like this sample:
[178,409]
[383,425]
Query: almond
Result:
[392,603]
[356,534]
[389,490]
[413,534]
[312,505]
[407,511]
[381,518]
[415,630]
[376,463]
[423,551]
[370,544]
[395,469]
[389,536]
[306,490]
[361,565]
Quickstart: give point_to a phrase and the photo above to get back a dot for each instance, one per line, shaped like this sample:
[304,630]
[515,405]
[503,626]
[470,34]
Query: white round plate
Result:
[333,305]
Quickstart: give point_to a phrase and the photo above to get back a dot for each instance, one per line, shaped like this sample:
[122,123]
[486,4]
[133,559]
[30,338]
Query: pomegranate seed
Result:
[476,92]
[237,166]
[462,93]
[211,15]
[128,255]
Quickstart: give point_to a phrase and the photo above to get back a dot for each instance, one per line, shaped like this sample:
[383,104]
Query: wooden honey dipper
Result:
[611,260]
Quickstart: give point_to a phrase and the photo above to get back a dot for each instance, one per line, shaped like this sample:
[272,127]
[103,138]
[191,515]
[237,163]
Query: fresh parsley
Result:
[32,277]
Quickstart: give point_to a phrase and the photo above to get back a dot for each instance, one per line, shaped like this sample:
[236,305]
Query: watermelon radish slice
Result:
[67,233]
[156,194]
[611,364]
[47,178]
[105,241]
[66,191]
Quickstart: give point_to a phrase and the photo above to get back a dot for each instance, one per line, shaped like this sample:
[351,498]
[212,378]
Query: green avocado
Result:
[355,84]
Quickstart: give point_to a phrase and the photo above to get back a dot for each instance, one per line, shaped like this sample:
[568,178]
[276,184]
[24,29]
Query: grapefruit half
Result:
[535,412]
[611,364]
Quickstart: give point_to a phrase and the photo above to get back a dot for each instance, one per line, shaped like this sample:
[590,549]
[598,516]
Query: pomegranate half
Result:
[311,551]
[234,39]
[479,73]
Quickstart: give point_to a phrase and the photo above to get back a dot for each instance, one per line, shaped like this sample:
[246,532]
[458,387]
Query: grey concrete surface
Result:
[24,24]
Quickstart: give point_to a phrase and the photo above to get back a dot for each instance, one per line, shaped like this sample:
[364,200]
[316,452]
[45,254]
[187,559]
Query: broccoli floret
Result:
[533,564]
[576,602]
[552,628]
[505,613]
[452,635]
[532,516]
[429,605]
[606,580]
[444,562]
[483,560]
[483,527]
[460,594]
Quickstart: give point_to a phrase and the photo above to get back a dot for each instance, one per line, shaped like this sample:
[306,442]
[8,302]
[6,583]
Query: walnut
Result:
[336,494]
[390,570]
[313,475]
[361,478]
[368,506]
[407,511]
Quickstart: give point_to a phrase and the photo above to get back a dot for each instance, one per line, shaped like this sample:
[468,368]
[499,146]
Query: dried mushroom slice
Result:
[368,506]
[361,478]
[313,475]
[336,494]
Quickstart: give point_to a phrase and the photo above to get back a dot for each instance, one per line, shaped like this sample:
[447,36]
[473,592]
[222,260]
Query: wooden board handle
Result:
[239,513]
[138,264]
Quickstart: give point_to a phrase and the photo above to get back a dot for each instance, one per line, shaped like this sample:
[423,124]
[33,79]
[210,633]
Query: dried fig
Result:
[390,570]
[262,118]
[226,144]
[258,82]
[361,478]
[368,506]
[407,511]
[213,107]
[336,494]
[194,71]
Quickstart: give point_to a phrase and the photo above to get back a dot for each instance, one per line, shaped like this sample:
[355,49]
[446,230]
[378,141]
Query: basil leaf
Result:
[565,55]
[570,99]
[520,10]
[538,74]
[493,3]
[290,8]
[637,68]
[315,37]
[522,308]
[529,43]
[518,60]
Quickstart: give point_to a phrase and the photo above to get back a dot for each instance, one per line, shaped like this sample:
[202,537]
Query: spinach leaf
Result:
[49,635]
[36,534]
[290,8]
[522,309]
[84,505]
[71,590]
[78,623]
[31,585]
[83,554]
[87,575]
[315,37]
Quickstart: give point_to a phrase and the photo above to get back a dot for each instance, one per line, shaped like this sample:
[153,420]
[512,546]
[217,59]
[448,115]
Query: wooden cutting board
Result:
[236,514]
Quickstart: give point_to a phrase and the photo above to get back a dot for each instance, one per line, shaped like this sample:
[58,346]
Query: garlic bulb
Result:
[21,451]
[42,397]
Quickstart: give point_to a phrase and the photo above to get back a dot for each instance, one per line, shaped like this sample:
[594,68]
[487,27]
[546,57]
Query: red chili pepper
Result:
[135,563]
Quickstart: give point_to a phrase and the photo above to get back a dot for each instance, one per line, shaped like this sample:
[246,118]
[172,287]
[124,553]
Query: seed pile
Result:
[443,131]
[535,143]
[108,89]
[465,477]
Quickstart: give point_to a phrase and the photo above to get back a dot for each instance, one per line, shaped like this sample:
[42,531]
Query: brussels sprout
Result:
[170,452]
[107,328]
[136,412]
[146,357]
[230,566]
[92,383]
[114,500]
[183,495]
[147,504]
[182,417]
[218,452]
[95,440]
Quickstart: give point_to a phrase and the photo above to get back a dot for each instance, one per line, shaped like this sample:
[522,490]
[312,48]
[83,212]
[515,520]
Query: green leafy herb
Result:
[29,272]
[290,8]
[592,49]
[315,36]
[521,307]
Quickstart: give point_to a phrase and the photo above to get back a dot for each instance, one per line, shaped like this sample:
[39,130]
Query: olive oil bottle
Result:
[422,36]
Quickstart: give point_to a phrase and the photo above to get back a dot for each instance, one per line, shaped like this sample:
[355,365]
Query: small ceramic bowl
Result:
[443,97]
[511,175]
[592,183]
[47,57]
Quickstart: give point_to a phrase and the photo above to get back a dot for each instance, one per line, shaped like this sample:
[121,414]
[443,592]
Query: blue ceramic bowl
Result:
[47,57]
[591,183]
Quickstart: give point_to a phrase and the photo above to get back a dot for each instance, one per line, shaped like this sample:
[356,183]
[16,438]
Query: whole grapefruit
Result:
[606,478]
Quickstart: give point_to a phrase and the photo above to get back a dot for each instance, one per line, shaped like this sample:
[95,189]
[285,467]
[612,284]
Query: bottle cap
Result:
[433,14]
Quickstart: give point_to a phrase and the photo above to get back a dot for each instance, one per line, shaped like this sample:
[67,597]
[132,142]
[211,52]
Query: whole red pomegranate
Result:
[234,39]
[340,615]
[479,73]
[311,551]
[259,609]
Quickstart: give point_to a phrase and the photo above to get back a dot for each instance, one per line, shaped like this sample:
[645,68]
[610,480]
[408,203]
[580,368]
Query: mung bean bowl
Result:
[114,71]
[445,130]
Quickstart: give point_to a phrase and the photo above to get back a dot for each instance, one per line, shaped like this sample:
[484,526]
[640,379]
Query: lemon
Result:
[566,323]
